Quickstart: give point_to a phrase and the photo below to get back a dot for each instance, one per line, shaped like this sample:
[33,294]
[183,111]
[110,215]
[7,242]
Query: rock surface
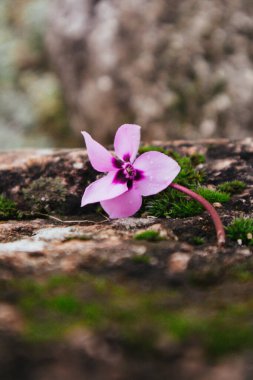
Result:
[80,297]
[180,68]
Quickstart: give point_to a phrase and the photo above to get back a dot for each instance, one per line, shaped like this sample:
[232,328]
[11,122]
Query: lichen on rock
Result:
[46,195]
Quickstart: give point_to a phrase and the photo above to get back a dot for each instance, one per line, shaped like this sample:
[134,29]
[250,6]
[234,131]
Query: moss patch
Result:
[149,235]
[137,315]
[213,196]
[189,176]
[172,203]
[8,209]
[232,187]
[241,229]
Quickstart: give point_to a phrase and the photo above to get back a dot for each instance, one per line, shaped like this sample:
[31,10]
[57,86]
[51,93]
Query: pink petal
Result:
[102,189]
[124,205]
[127,141]
[158,170]
[99,157]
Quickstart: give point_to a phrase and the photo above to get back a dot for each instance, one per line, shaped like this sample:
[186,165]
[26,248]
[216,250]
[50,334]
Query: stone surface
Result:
[180,68]
[172,275]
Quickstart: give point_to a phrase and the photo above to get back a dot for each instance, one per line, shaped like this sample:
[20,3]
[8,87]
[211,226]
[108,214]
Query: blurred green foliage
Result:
[149,235]
[139,316]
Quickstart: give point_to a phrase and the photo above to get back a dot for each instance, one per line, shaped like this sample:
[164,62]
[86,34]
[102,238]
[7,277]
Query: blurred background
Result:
[180,69]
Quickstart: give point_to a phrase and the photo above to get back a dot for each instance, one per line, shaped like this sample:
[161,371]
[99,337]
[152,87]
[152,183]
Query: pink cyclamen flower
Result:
[128,178]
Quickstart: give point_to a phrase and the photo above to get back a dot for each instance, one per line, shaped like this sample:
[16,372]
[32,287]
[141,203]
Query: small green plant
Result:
[198,240]
[149,235]
[232,187]
[241,229]
[8,209]
[45,195]
[171,203]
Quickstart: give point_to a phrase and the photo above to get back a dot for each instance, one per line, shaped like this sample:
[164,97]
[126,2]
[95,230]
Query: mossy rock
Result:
[46,195]
[8,209]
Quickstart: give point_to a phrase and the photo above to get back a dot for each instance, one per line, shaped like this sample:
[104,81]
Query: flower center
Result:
[129,171]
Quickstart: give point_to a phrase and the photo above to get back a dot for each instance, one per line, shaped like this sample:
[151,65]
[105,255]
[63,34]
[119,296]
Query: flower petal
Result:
[127,141]
[99,157]
[158,170]
[124,205]
[102,189]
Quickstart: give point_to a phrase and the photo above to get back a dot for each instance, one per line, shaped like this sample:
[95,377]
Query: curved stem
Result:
[221,238]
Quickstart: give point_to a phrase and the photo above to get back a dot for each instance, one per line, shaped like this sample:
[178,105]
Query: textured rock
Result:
[81,297]
[177,68]
[68,242]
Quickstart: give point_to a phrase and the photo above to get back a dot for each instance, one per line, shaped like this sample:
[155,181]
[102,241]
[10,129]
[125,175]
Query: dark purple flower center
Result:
[126,173]
[129,171]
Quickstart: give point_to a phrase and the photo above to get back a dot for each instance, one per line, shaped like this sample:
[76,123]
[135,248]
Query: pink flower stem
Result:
[221,238]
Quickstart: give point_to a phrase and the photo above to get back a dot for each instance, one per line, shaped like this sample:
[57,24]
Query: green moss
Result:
[197,240]
[225,331]
[241,229]
[149,235]
[52,307]
[213,196]
[197,159]
[229,330]
[65,304]
[174,204]
[45,195]
[8,209]
[184,208]
[171,203]
[179,325]
[232,187]
[138,315]
[188,176]
[141,259]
